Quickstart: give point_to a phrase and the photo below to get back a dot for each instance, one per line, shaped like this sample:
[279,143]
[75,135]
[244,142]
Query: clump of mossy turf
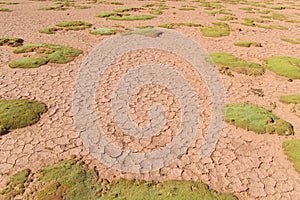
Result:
[260,23]
[16,185]
[284,66]
[28,63]
[8,2]
[148,32]
[12,42]
[5,10]
[103,31]
[74,25]
[178,24]
[138,190]
[47,53]
[51,30]
[255,118]
[293,98]
[219,29]
[292,150]
[293,41]
[64,5]
[131,17]
[19,113]
[247,44]
[69,180]
[226,61]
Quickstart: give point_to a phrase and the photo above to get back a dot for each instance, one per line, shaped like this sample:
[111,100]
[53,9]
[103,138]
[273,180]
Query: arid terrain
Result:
[250,162]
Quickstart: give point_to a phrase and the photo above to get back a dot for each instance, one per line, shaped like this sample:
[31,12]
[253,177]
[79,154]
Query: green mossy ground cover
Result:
[247,44]
[219,29]
[16,184]
[255,118]
[131,17]
[70,179]
[103,31]
[74,25]
[47,53]
[293,41]
[230,62]
[293,98]
[284,66]
[12,42]
[19,113]
[148,32]
[292,150]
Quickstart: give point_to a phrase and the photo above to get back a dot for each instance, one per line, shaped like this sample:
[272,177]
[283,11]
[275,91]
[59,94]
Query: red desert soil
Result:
[244,163]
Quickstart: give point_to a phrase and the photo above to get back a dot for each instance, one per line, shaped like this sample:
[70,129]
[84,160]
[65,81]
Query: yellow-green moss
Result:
[74,25]
[255,118]
[293,98]
[19,113]
[218,29]
[284,66]
[28,63]
[292,150]
[12,42]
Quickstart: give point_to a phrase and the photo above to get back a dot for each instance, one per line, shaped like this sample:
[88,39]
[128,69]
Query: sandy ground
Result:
[249,165]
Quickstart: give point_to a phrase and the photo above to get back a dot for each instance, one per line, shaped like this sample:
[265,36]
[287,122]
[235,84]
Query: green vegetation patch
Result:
[293,98]
[51,30]
[219,29]
[260,24]
[69,180]
[148,32]
[28,63]
[16,184]
[19,113]
[103,31]
[8,2]
[284,66]
[247,44]
[258,119]
[171,190]
[292,150]
[230,62]
[74,25]
[5,10]
[12,42]
[53,53]
[131,17]
[174,25]
[293,41]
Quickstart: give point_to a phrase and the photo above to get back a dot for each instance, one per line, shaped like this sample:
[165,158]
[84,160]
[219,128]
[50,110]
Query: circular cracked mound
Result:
[257,119]
[19,113]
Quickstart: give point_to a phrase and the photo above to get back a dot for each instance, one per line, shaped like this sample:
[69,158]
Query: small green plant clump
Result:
[70,179]
[16,184]
[103,31]
[247,44]
[19,113]
[293,41]
[219,29]
[5,10]
[47,53]
[293,98]
[284,66]
[148,32]
[74,25]
[64,5]
[255,118]
[131,17]
[178,24]
[230,62]
[51,30]
[8,2]
[292,150]
[12,42]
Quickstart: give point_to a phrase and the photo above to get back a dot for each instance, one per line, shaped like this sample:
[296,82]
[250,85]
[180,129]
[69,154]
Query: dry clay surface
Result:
[247,164]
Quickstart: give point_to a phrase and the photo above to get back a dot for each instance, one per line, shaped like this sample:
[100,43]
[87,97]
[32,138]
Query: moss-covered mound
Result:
[5,10]
[74,25]
[148,32]
[292,150]
[293,41]
[69,179]
[131,17]
[293,98]
[169,190]
[247,44]
[19,113]
[229,61]
[257,119]
[16,184]
[50,30]
[103,31]
[218,29]
[47,53]
[284,66]
[12,42]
